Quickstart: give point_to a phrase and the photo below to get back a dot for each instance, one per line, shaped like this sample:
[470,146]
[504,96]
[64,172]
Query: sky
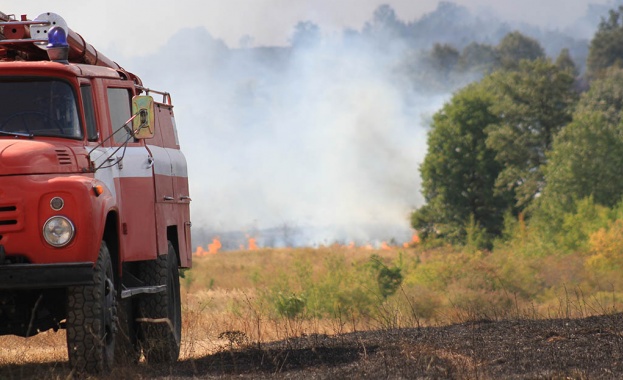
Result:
[139,27]
[326,142]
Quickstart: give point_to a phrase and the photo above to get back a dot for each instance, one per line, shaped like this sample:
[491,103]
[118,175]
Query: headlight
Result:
[58,231]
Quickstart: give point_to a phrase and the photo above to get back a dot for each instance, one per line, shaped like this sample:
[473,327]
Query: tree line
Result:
[530,141]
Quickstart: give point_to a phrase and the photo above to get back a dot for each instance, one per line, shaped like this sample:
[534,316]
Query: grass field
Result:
[245,298]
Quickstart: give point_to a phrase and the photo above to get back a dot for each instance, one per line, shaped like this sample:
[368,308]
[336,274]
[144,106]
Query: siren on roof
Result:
[53,28]
[57,47]
[30,39]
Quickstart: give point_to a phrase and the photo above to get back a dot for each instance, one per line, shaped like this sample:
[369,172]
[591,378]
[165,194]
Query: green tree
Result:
[565,62]
[587,156]
[605,96]
[532,103]
[516,47]
[606,48]
[478,57]
[444,57]
[586,161]
[459,170]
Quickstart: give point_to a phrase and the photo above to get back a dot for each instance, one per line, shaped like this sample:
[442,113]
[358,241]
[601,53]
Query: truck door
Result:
[135,182]
[171,178]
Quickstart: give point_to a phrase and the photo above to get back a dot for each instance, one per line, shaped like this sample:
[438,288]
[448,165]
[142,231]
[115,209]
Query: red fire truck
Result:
[94,200]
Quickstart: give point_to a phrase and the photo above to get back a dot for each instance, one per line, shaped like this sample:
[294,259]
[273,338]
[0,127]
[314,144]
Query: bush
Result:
[388,279]
[290,305]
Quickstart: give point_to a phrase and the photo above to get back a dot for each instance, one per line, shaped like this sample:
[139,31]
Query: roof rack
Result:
[166,97]
[27,39]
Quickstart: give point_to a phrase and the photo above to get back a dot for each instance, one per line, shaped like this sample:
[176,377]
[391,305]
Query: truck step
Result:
[130,292]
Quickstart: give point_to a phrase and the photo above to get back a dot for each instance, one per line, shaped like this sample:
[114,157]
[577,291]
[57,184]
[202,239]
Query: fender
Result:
[105,203]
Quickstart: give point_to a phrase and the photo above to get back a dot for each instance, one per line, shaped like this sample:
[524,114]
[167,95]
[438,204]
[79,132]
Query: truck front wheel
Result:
[91,319]
[160,313]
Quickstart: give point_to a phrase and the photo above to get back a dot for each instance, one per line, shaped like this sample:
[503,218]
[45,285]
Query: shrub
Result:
[605,260]
[388,279]
[289,305]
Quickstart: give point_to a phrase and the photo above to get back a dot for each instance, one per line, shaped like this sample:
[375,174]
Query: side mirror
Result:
[143,123]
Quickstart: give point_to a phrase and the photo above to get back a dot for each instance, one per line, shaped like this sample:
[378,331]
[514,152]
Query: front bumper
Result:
[45,276]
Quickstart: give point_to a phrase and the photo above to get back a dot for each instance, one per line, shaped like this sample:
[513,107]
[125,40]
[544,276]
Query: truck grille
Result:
[9,216]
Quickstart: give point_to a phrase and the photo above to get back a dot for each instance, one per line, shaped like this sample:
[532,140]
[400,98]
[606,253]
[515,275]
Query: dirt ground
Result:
[589,348]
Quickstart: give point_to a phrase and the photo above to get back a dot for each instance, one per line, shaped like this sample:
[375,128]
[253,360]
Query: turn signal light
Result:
[98,190]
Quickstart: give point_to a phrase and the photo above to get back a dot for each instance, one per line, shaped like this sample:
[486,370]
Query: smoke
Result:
[314,143]
[319,137]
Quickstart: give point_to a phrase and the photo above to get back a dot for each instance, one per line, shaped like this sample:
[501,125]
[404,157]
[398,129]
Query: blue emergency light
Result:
[58,48]
[57,37]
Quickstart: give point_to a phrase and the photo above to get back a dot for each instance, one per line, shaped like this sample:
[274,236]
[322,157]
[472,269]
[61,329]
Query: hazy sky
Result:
[141,26]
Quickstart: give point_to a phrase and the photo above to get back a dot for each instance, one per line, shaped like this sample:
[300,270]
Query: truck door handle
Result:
[150,162]
[168,198]
[185,197]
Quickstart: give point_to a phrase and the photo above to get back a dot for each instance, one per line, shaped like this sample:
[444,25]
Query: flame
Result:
[214,247]
[200,251]
[252,244]
[415,240]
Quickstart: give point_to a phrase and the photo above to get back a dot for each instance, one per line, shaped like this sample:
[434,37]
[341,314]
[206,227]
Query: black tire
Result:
[91,319]
[160,313]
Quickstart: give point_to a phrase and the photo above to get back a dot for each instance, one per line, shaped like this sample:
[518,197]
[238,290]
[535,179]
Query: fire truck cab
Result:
[94,200]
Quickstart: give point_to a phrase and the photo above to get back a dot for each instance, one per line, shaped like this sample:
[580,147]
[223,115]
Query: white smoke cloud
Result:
[322,138]
[319,142]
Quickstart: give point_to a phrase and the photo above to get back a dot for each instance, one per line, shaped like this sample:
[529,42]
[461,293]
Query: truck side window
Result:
[89,112]
[120,112]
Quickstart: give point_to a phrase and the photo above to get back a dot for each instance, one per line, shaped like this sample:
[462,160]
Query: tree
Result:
[444,57]
[587,156]
[478,57]
[459,170]
[384,26]
[606,48]
[306,34]
[516,47]
[441,62]
[586,161]
[605,96]
[565,62]
[532,104]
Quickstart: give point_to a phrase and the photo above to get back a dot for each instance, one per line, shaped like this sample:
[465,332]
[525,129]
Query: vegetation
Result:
[606,47]
[534,143]
[460,170]
[338,289]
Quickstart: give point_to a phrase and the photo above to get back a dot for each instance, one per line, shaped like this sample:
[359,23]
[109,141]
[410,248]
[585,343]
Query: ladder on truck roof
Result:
[27,40]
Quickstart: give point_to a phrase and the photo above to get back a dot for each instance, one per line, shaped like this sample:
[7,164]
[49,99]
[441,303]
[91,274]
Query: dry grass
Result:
[220,305]
[46,347]
[225,304]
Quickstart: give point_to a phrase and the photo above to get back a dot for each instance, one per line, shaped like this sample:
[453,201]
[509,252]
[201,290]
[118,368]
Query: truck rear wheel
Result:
[161,313]
[91,319]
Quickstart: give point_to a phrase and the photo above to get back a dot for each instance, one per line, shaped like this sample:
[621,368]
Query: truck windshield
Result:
[38,107]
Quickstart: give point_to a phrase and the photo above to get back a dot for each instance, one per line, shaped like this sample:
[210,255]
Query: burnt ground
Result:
[589,348]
